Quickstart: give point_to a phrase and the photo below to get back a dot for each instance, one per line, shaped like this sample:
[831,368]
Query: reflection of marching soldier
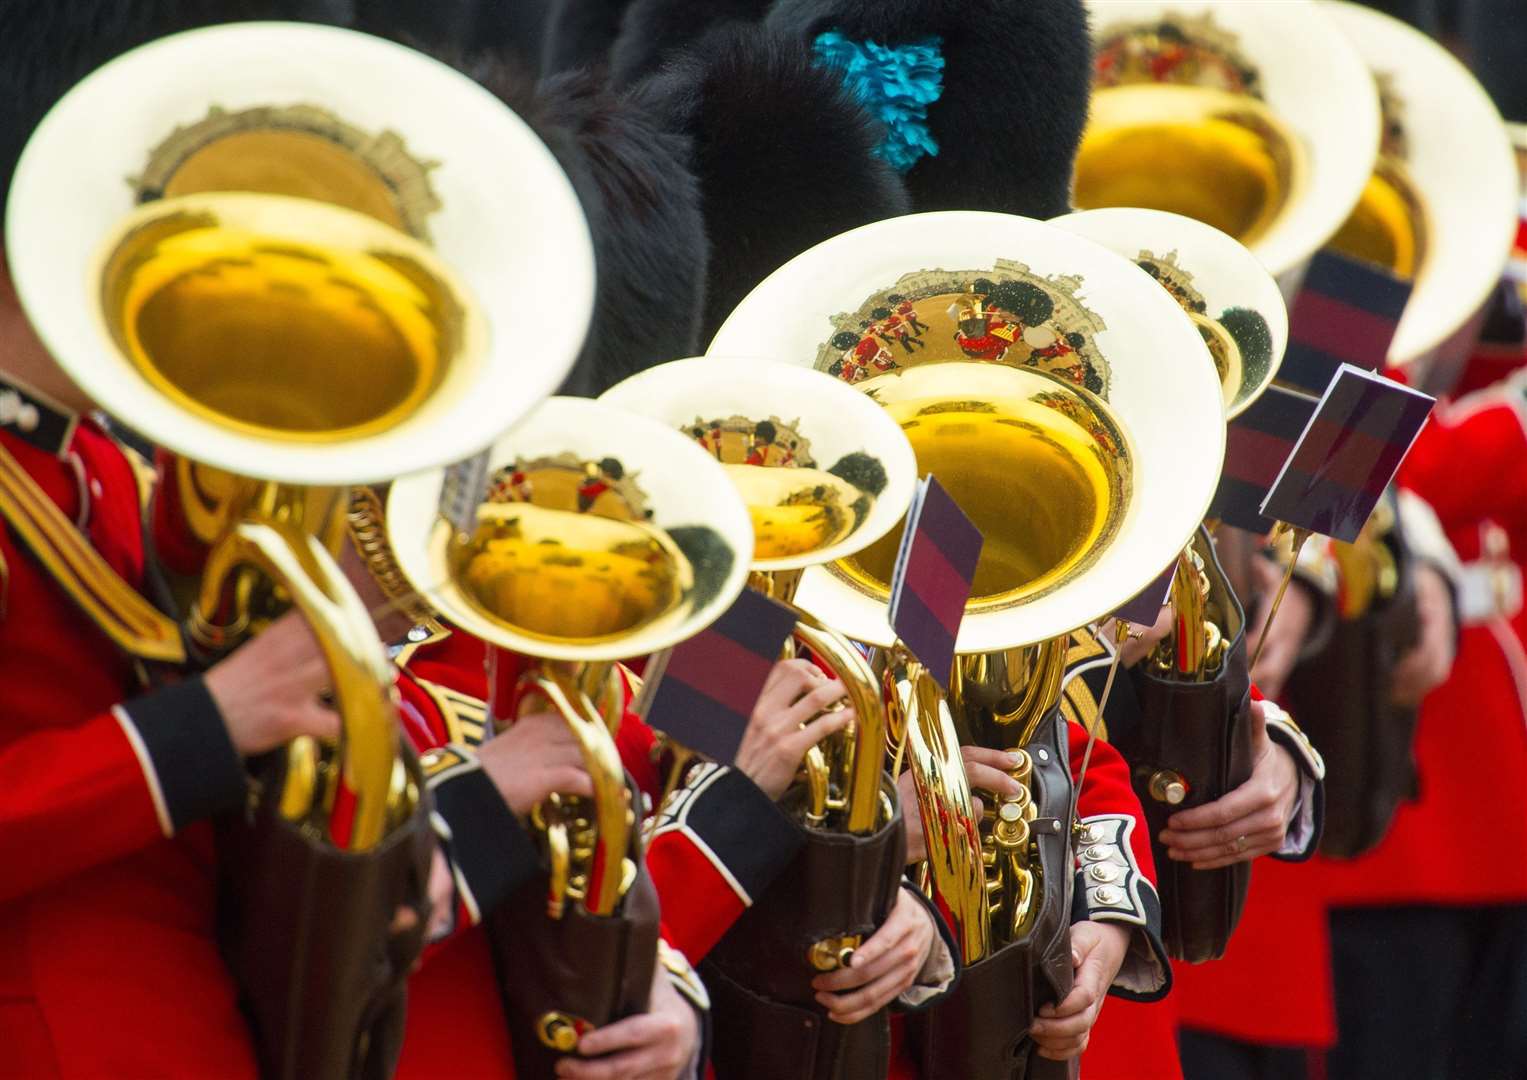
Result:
[763,439]
[598,479]
[908,313]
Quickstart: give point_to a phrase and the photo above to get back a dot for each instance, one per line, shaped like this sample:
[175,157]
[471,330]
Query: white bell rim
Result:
[1175,411]
[1461,162]
[1315,81]
[835,418]
[1224,270]
[510,227]
[684,486]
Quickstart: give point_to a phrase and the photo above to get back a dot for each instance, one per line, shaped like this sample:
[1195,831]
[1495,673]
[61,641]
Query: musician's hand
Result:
[267,689]
[789,719]
[883,968]
[533,757]
[985,769]
[1097,952]
[657,1045]
[1285,638]
[1250,821]
[1428,664]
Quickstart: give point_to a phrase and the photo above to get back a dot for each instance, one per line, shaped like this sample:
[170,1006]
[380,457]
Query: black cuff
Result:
[947,934]
[489,850]
[192,769]
[728,817]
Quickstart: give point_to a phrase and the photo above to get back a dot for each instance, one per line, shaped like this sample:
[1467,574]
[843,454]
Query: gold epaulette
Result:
[466,717]
[135,625]
[1078,704]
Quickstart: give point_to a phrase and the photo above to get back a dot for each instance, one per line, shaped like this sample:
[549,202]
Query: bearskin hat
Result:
[784,156]
[1016,85]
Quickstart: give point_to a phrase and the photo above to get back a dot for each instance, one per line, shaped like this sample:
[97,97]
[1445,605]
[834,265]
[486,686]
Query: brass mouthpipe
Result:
[614,819]
[356,658]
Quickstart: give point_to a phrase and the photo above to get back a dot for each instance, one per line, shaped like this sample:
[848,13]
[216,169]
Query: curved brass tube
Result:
[950,825]
[863,754]
[614,817]
[356,658]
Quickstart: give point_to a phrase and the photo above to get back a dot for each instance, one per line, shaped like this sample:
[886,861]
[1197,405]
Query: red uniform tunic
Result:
[108,966]
[455,1025]
[1471,742]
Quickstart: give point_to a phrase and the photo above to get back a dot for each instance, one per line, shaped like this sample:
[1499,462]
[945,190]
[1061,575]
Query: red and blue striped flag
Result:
[1257,443]
[934,570]
[1349,452]
[702,691]
[1346,313]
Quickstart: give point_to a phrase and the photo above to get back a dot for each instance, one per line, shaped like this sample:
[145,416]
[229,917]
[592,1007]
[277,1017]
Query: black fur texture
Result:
[783,154]
[655,31]
[643,207]
[1017,82]
[579,33]
[46,46]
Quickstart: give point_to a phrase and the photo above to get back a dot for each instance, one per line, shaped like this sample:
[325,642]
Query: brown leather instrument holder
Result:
[980,1031]
[305,930]
[1340,697]
[1197,734]
[570,973]
[766,1021]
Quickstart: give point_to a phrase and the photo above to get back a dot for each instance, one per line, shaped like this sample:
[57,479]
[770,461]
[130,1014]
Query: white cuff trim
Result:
[146,763]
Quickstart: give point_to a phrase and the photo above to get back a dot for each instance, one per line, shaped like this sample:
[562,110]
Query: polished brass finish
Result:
[1388,227]
[832,953]
[311,340]
[366,524]
[1168,787]
[323,332]
[955,865]
[560,1031]
[1011,872]
[797,511]
[562,551]
[1197,644]
[569,576]
[1043,471]
[362,679]
[1367,568]
[1223,158]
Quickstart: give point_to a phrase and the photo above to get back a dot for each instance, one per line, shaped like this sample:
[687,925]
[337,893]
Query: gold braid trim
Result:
[135,625]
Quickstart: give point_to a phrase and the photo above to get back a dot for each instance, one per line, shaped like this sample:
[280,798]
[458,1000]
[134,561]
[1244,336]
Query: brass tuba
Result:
[1239,312]
[823,472]
[266,315]
[587,534]
[1210,110]
[1022,367]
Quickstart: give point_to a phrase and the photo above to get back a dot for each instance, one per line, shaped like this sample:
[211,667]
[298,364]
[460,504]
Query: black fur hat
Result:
[783,154]
[653,32]
[643,207]
[46,46]
[1016,84]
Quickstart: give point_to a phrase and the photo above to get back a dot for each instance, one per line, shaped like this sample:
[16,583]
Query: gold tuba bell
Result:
[1209,110]
[1239,311]
[1028,385]
[823,473]
[272,315]
[286,347]
[585,535]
